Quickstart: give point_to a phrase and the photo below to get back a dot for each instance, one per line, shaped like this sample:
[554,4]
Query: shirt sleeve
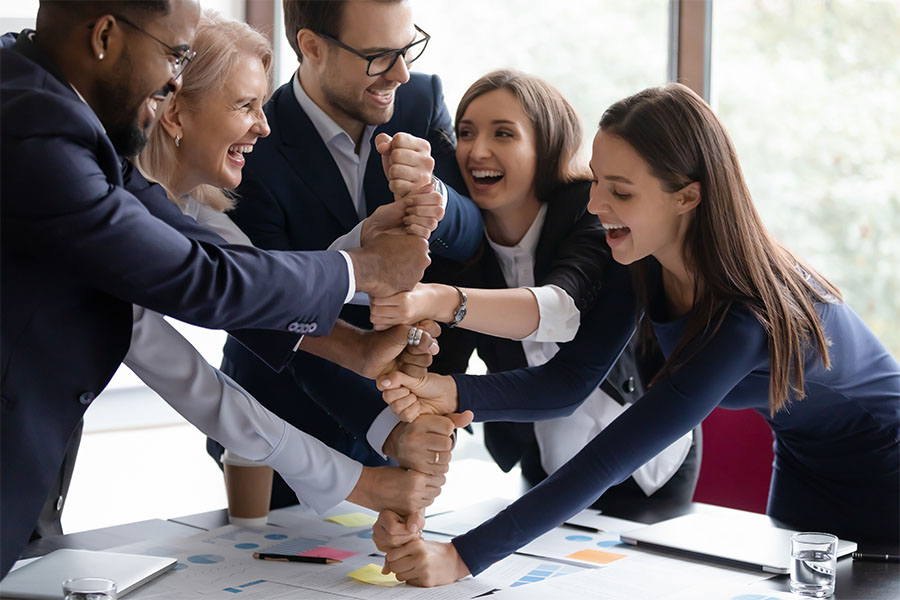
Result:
[674,406]
[351,281]
[559,317]
[349,240]
[380,429]
[220,408]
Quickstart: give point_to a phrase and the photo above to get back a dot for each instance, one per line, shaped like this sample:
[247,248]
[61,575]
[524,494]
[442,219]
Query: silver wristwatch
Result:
[460,313]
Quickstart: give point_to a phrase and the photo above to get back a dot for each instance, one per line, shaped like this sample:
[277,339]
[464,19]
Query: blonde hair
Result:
[220,44]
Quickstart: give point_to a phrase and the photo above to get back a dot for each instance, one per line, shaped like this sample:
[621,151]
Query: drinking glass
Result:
[813,561]
[89,588]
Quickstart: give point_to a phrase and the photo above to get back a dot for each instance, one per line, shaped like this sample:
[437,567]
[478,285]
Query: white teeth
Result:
[486,173]
[611,226]
[241,148]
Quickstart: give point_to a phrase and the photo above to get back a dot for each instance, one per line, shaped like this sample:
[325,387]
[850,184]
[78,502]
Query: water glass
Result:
[813,561]
[89,588]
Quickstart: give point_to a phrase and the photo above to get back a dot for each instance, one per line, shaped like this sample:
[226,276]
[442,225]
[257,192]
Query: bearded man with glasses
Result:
[352,131]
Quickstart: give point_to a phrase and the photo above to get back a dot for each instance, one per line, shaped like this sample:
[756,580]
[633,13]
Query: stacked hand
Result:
[408,166]
[411,558]
[406,307]
[388,264]
[411,396]
[384,352]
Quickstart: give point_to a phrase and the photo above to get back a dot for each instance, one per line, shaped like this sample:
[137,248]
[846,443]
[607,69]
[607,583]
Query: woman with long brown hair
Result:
[743,323]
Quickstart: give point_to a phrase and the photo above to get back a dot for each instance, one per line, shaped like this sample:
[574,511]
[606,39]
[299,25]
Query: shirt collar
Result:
[528,243]
[326,127]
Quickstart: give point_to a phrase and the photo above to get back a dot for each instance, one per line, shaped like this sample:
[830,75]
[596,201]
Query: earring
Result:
[177,141]
[100,56]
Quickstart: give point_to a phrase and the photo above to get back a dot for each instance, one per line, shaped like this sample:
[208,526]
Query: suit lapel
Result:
[375,184]
[557,225]
[301,145]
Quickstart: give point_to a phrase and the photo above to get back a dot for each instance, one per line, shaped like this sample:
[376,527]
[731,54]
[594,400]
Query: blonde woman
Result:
[196,154]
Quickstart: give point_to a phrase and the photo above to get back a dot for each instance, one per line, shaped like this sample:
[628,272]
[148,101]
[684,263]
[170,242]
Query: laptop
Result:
[746,540]
[43,577]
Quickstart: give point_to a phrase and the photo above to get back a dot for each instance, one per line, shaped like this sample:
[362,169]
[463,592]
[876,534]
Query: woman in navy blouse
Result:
[743,323]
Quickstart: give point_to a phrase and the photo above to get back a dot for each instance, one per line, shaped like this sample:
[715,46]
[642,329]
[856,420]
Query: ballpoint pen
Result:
[875,557]
[294,558]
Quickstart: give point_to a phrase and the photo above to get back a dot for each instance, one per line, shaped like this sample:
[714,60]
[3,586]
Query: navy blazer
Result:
[77,251]
[293,196]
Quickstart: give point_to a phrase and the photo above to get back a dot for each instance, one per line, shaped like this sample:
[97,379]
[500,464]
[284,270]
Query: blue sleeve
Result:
[60,207]
[560,385]
[458,235]
[674,406]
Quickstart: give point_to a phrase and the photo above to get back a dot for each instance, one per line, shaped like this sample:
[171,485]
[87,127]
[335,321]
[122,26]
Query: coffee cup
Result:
[248,485]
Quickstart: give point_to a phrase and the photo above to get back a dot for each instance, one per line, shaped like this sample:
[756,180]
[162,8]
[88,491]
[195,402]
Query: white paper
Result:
[457,522]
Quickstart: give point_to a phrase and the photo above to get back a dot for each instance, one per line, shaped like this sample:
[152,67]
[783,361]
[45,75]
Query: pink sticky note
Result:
[328,552]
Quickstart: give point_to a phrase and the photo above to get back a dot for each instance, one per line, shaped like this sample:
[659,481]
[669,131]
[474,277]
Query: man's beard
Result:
[119,110]
[352,107]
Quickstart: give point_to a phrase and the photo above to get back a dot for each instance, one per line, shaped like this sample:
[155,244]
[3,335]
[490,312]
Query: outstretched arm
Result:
[320,476]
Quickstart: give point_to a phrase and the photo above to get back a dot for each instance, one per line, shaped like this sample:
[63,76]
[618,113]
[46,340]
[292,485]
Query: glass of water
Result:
[89,588]
[813,561]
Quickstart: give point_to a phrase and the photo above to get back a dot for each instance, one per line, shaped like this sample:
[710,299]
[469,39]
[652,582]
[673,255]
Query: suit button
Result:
[86,398]
[59,504]
[628,385]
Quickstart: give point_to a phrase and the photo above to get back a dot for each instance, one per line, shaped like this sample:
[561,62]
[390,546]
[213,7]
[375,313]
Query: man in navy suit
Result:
[352,131]
[78,250]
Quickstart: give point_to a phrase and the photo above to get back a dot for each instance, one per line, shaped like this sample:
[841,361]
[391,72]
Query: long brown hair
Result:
[557,127]
[733,256]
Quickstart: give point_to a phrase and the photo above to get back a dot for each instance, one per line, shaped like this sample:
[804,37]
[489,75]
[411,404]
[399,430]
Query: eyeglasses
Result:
[179,59]
[381,63]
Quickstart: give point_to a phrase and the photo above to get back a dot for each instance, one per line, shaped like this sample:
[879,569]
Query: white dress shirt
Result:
[219,407]
[561,439]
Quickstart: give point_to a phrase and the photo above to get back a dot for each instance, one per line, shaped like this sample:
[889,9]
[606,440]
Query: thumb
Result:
[461,419]
[383,143]
[415,522]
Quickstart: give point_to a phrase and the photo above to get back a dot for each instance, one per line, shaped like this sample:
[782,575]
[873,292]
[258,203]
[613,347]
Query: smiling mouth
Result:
[486,176]
[237,151]
[616,231]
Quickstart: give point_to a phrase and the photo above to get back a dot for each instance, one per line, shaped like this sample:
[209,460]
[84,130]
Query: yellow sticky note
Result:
[356,519]
[596,556]
[371,574]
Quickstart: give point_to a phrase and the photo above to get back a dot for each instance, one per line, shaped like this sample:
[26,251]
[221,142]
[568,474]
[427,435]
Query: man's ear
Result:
[171,118]
[688,197]
[106,38]
[311,46]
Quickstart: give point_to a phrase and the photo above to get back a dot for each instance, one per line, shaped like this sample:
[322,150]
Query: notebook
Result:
[745,540]
[43,578]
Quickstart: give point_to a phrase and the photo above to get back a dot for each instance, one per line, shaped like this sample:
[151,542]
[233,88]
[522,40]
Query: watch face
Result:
[460,314]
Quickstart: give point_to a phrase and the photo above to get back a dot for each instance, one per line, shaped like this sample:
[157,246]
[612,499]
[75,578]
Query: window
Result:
[809,92]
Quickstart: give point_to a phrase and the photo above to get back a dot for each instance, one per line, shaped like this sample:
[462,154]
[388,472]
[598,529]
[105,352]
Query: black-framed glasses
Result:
[381,63]
[179,59]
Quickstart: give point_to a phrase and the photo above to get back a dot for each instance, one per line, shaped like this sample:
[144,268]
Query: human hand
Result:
[424,301]
[408,397]
[425,444]
[407,162]
[389,350]
[387,218]
[394,488]
[424,210]
[389,264]
[392,531]
[425,564]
